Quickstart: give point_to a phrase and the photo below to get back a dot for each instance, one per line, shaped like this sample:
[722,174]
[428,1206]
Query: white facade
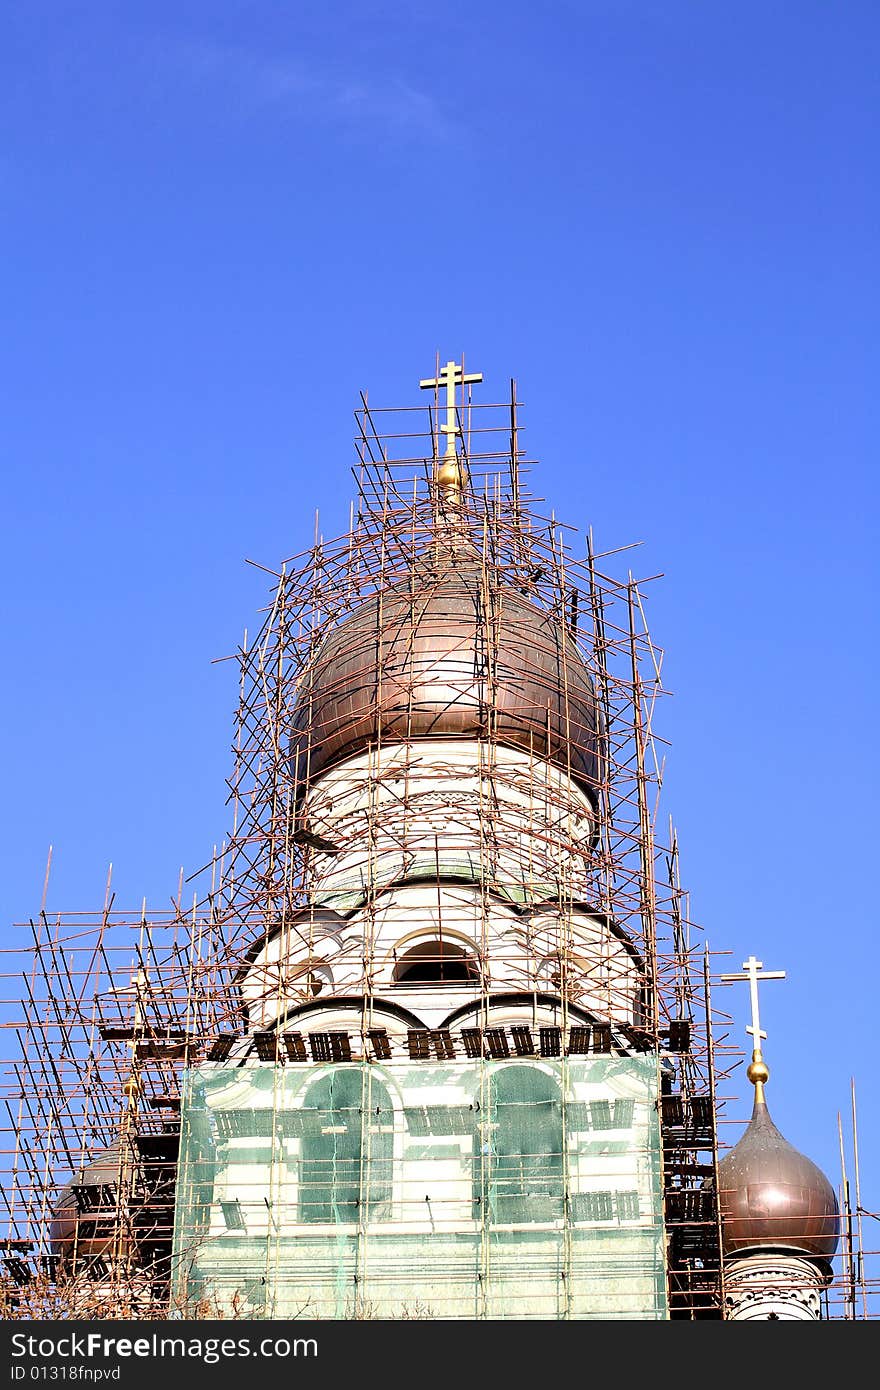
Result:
[457,851]
[449,805]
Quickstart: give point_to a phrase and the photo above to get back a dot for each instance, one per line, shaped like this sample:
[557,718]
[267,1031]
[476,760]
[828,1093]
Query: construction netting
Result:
[472,1189]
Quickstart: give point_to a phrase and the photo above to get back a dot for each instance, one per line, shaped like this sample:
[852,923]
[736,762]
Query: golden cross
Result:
[450,376]
[752,968]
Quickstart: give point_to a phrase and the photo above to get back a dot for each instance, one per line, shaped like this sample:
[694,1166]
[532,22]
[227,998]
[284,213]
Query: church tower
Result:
[779,1214]
[434,1038]
[456,1087]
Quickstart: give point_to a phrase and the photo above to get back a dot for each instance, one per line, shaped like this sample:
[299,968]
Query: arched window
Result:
[436,962]
[518,1160]
[347,1148]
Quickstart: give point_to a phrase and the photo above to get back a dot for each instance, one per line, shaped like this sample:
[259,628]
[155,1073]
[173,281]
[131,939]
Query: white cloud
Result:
[379,100]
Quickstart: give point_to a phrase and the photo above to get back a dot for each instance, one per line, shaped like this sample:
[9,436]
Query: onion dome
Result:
[448,655]
[772,1197]
[85,1212]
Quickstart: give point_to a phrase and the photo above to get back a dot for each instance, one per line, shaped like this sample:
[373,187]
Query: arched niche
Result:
[347,1149]
[518,1150]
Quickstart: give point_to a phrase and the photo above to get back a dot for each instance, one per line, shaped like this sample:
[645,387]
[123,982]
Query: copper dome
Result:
[773,1197]
[87,1227]
[449,656]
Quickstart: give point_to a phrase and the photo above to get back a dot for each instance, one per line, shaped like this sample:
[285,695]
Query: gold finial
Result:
[447,472]
[757,1072]
[131,1089]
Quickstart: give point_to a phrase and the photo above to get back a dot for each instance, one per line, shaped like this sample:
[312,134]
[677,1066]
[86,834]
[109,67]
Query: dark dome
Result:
[87,1227]
[448,656]
[773,1197]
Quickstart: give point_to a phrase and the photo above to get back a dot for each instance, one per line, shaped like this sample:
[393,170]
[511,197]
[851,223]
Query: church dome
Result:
[84,1226]
[773,1197]
[449,655]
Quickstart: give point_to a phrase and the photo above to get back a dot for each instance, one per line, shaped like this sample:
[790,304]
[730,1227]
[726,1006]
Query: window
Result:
[518,1159]
[348,1149]
[436,962]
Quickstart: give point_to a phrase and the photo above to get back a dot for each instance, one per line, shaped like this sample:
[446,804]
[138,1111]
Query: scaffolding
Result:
[121,1011]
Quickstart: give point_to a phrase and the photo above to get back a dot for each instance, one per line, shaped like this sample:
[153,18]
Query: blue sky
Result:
[219,222]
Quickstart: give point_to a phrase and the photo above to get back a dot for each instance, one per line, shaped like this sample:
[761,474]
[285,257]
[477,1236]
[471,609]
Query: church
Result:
[435,1037]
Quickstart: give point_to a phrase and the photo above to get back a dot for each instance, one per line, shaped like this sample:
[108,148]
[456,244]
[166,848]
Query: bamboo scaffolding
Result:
[115,1006]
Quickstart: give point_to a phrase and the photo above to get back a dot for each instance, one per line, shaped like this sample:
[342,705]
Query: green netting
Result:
[472,1189]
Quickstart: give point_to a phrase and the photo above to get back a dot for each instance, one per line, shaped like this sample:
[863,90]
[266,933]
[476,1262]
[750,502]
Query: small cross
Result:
[450,376]
[752,968]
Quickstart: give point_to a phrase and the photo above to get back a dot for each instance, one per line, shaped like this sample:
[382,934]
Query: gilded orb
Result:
[758,1071]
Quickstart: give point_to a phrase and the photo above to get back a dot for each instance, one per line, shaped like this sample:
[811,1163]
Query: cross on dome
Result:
[450,376]
[754,972]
